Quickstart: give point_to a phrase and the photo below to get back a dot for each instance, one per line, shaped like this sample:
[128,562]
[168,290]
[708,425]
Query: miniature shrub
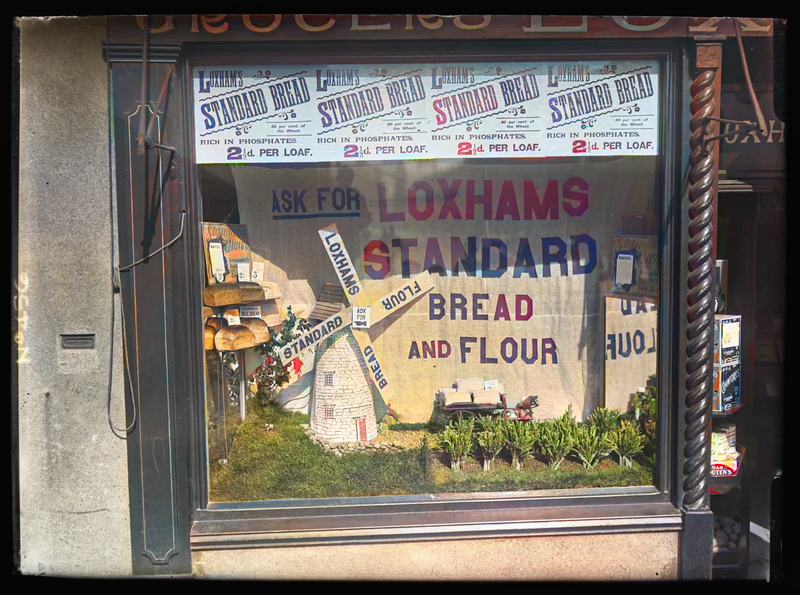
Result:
[520,439]
[590,444]
[568,418]
[604,420]
[645,413]
[456,440]
[554,440]
[491,439]
[627,441]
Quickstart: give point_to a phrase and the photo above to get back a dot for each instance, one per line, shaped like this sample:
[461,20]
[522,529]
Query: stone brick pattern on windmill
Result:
[339,404]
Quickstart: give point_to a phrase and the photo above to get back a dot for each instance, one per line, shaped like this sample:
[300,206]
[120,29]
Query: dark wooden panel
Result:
[149,212]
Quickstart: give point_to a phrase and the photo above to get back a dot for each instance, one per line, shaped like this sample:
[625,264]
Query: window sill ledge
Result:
[432,517]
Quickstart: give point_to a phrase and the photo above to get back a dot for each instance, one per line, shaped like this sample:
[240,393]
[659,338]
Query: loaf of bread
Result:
[208,337]
[250,292]
[229,294]
[259,328]
[234,338]
[221,294]
[217,322]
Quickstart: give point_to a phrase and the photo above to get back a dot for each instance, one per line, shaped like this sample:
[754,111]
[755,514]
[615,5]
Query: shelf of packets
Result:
[727,396]
[726,458]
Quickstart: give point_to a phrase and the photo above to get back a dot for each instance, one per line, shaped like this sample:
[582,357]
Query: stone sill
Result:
[432,517]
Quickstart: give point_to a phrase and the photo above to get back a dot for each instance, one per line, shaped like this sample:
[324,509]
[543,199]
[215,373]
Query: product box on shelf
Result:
[725,467]
[727,396]
[727,338]
[723,442]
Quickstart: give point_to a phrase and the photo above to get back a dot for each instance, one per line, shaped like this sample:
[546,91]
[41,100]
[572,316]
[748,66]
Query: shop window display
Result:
[494,230]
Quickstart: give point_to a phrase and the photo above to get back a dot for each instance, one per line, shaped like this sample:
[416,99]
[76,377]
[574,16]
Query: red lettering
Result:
[579,196]
[543,209]
[507,205]
[376,259]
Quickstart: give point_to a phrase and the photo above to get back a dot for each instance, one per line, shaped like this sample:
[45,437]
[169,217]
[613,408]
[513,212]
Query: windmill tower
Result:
[342,408]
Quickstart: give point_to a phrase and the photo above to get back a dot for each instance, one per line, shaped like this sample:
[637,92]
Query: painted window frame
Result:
[443,516]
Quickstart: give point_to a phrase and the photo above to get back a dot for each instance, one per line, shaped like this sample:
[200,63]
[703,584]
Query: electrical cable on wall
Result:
[144,143]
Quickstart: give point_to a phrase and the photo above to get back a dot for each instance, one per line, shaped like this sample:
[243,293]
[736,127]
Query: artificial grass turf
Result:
[283,463]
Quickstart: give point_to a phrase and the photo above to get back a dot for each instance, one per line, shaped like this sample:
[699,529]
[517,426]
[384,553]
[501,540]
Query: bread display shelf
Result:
[221,335]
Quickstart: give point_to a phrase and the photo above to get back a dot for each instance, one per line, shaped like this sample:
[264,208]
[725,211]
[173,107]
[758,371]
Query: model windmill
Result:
[346,363]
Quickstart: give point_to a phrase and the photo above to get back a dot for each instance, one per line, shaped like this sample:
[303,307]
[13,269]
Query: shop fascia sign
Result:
[355,26]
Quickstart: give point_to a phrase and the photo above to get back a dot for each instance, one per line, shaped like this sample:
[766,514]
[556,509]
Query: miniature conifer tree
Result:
[271,375]
[590,445]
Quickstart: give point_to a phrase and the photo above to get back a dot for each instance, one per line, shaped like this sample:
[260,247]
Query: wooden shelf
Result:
[723,414]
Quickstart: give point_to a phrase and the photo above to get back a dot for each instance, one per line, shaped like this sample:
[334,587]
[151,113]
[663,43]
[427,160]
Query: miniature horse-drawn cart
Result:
[469,409]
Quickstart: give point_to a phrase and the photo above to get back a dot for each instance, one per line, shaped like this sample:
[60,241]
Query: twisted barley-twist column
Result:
[700,314]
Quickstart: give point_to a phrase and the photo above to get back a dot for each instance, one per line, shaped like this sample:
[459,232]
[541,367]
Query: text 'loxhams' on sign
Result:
[343,264]
[388,112]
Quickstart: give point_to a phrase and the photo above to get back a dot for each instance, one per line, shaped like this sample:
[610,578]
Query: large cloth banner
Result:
[631,350]
[520,257]
[367,112]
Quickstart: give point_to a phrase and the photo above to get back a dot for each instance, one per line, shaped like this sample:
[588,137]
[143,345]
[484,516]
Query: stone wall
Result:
[73,472]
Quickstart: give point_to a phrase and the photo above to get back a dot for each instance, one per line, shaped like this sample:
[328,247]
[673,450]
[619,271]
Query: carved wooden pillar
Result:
[697,539]
[700,315]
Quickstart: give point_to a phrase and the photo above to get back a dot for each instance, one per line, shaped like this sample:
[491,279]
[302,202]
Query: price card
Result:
[257,274]
[243,271]
[232,316]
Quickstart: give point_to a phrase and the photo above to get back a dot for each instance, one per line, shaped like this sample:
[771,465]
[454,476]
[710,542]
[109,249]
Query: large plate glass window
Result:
[427,278]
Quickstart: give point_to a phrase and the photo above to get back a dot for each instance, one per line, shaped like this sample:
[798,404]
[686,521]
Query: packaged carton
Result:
[727,338]
[723,442]
[727,395]
[725,467]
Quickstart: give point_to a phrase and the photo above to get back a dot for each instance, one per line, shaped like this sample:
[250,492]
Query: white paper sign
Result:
[323,113]
[361,317]
[624,269]
[250,311]
[257,275]
[217,257]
